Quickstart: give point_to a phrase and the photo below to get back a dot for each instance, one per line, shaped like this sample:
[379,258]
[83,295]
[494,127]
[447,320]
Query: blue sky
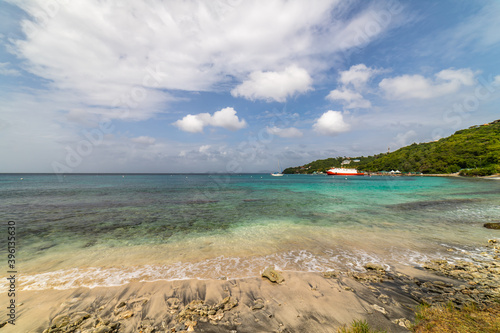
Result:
[235,86]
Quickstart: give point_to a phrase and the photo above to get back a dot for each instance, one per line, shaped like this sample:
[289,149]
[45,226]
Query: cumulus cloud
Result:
[133,50]
[446,82]
[125,58]
[228,119]
[144,140]
[352,83]
[225,118]
[350,98]
[290,132]
[274,86]
[357,75]
[331,123]
[193,123]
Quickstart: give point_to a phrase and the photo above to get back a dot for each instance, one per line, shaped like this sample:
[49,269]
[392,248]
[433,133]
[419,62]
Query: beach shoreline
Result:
[303,302]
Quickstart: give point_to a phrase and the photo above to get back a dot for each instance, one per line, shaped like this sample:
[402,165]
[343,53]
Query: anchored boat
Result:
[344,172]
[278,174]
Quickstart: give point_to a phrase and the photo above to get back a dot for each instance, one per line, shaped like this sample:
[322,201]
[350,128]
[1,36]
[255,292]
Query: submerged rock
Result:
[492,225]
[273,275]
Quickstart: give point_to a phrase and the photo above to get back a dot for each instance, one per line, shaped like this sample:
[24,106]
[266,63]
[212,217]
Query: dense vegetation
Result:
[472,152]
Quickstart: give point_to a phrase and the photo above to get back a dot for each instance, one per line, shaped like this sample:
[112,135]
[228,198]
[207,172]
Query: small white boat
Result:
[277,174]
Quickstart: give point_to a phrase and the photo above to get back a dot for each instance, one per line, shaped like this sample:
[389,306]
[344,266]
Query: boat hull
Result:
[332,173]
[344,172]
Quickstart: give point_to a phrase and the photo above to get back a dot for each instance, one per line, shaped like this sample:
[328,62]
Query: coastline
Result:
[303,302]
[456,175]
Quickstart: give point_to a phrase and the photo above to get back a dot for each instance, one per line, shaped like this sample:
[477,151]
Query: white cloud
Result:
[228,119]
[331,123]
[82,117]
[404,139]
[496,81]
[446,82]
[192,123]
[353,82]
[290,132]
[370,24]
[357,75]
[6,69]
[274,86]
[225,118]
[144,140]
[134,51]
[475,33]
[461,76]
[351,98]
[123,58]
[204,149]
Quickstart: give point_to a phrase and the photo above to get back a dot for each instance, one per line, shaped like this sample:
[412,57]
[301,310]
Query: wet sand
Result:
[304,302]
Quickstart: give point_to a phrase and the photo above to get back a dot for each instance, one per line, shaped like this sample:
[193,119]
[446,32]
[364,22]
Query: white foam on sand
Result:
[221,267]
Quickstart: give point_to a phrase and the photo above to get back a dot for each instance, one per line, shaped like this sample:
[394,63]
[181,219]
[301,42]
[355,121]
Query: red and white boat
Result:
[344,172]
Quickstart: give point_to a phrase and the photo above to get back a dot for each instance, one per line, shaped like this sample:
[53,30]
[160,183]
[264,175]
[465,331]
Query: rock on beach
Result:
[492,225]
[273,275]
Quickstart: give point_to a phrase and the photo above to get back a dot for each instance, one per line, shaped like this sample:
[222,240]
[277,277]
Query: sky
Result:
[237,86]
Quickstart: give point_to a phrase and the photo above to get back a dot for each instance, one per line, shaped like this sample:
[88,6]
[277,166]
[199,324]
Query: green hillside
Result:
[474,151]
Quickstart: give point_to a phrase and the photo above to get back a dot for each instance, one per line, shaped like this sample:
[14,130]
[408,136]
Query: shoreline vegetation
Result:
[419,299]
[472,152]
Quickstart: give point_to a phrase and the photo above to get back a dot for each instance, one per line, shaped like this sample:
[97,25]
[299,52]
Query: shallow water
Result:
[98,230]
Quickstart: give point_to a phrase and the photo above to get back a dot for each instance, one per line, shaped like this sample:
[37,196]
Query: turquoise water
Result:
[93,230]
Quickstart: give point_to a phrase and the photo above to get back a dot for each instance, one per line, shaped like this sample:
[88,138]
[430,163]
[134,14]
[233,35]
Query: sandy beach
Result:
[303,302]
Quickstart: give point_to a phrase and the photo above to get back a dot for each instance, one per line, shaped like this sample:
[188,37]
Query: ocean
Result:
[108,230]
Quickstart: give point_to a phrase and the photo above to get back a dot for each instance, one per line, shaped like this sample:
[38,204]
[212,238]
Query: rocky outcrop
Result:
[180,317]
[461,282]
[374,267]
[82,322]
[272,275]
[492,225]
[480,281]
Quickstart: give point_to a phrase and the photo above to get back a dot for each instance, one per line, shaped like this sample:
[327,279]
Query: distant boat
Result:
[344,172]
[277,174]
